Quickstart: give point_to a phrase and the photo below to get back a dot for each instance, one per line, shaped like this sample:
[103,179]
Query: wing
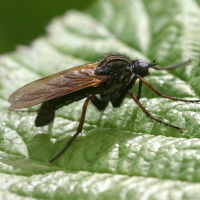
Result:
[56,85]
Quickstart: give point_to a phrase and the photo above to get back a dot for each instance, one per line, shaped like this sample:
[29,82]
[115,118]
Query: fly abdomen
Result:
[46,115]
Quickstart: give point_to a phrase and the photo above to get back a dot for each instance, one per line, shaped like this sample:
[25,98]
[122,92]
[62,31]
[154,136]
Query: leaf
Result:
[121,153]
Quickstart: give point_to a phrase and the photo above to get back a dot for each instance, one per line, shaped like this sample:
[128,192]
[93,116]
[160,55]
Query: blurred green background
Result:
[21,21]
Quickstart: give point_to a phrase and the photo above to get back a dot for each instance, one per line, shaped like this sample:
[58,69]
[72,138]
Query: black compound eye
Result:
[142,63]
[141,68]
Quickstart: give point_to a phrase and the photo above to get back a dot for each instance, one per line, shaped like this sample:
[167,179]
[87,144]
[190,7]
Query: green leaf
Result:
[121,154]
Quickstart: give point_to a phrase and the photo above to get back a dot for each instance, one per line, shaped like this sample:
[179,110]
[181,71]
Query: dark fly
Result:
[112,78]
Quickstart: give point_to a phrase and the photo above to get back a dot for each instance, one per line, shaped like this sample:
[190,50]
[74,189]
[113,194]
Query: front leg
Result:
[165,96]
[139,90]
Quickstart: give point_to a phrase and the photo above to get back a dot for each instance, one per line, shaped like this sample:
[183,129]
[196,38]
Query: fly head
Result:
[141,67]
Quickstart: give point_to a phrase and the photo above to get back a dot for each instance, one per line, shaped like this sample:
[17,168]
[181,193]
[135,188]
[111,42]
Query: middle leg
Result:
[148,114]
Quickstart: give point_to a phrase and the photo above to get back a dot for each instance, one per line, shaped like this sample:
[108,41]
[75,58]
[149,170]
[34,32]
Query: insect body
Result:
[112,78]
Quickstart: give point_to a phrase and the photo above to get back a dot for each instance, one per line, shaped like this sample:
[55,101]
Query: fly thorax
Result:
[113,66]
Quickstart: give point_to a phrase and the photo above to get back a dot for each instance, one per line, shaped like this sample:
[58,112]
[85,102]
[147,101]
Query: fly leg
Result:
[159,94]
[165,96]
[139,90]
[148,114]
[118,101]
[100,105]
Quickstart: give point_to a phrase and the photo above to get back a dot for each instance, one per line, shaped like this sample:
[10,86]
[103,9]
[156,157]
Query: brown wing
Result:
[57,85]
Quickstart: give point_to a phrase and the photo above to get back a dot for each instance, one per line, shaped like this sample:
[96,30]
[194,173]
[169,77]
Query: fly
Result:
[112,78]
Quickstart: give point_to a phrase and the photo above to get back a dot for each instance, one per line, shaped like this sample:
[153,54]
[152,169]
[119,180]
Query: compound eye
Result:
[141,68]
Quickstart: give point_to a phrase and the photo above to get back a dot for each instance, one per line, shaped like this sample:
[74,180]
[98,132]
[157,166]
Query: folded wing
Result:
[57,85]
